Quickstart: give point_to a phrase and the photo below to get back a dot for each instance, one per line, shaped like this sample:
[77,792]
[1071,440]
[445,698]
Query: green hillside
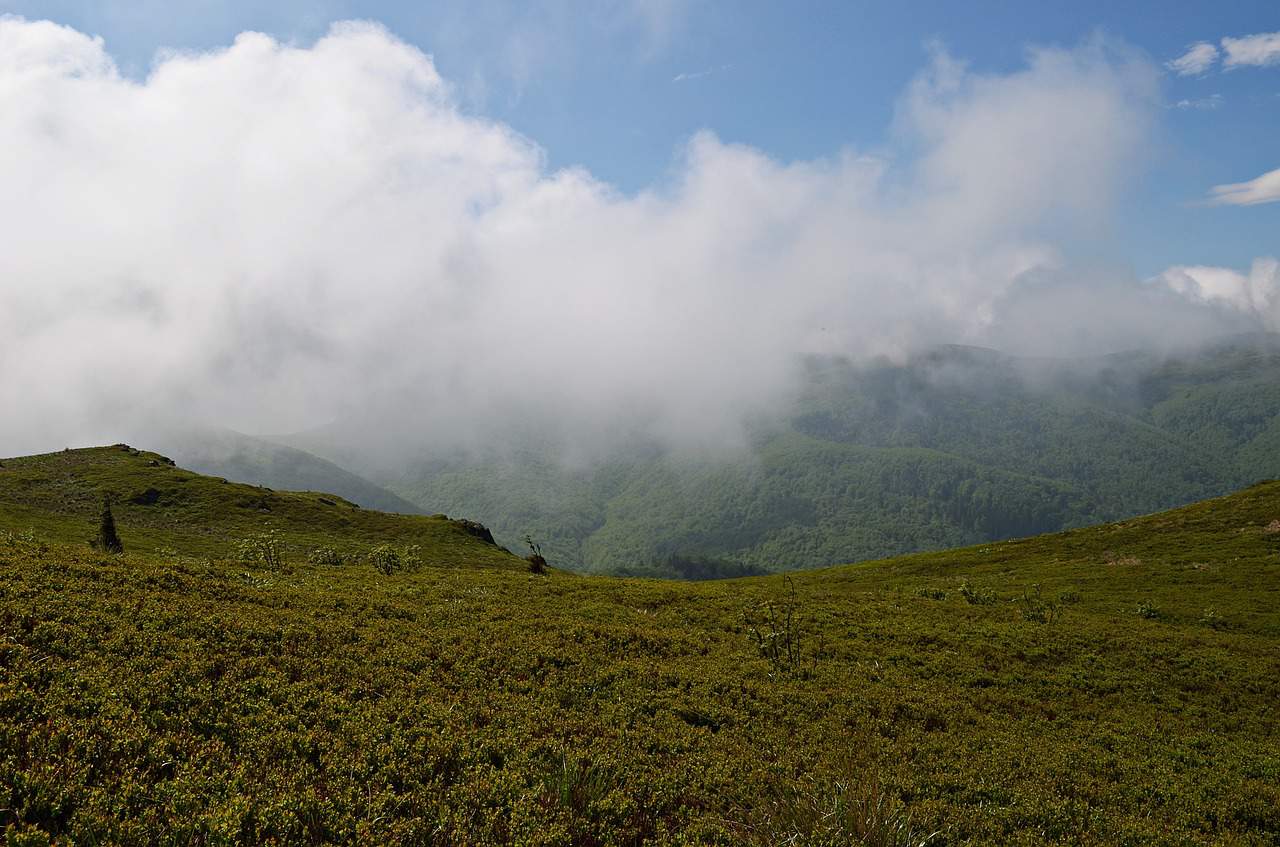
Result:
[953,447]
[161,507]
[1109,685]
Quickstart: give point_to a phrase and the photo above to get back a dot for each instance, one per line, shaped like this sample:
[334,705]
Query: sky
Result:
[639,211]
[618,86]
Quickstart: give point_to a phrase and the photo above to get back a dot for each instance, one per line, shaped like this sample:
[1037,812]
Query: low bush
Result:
[264,549]
[385,559]
[325,556]
[1146,609]
[977,596]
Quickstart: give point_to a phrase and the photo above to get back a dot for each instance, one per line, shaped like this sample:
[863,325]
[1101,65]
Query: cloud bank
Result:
[272,236]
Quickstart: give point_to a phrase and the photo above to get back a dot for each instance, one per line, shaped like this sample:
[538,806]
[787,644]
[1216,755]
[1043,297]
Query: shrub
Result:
[325,556]
[107,540]
[1035,608]
[264,549]
[385,559]
[776,628]
[931,593]
[977,596]
[1146,609]
[537,564]
[1211,618]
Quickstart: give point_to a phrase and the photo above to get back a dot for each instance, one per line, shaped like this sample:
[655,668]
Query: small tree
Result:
[107,539]
[537,564]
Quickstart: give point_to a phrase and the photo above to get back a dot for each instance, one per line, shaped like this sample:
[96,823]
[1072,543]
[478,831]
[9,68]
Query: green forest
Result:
[954,447]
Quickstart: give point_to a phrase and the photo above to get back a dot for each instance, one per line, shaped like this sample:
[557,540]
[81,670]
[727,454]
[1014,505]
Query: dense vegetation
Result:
[956,446]
[1108,685]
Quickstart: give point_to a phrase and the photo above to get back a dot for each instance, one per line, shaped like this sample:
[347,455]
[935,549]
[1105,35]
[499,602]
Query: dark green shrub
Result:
[107,540]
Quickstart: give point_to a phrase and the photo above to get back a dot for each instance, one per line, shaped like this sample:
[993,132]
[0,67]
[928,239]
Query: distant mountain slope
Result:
[243,458]
[955,446]
[158,505]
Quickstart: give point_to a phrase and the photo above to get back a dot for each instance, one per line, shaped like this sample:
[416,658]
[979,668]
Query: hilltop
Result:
[160,506]
[1110,684]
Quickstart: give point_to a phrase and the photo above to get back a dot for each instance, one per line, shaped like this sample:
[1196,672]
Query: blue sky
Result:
[618,88]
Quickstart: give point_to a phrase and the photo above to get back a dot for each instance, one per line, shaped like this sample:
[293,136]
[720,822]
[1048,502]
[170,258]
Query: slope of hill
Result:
[243,458]
[955,446]
[161,506]
[1107,685]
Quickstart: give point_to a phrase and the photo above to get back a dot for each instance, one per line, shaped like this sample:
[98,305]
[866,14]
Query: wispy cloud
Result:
[691,75]
[1198,59]
[1261,50]
[1264,189]
[1213,101]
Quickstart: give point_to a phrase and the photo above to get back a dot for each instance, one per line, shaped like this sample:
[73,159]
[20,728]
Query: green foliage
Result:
[1036,608]
[189,700]
[326,556]
[841,812]
[537,564]
[107,540]
[57,493]
[931,593]
[951,448]
[1211,618]
[976,595]
[694,568]
[263,549]
[385,559]
[776,626]
[1147,609]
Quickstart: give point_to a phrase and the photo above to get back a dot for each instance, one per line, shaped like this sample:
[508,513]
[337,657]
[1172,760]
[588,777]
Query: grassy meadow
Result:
[1118,684]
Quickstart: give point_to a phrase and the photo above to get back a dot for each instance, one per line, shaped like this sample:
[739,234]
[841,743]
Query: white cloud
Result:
[1261,50]
[1198,59]
[1263,189]
[1209,103]
[1256,293]
[270,236]
[692,75]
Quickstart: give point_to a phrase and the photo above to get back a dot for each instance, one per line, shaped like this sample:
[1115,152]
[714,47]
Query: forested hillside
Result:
[955,446]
